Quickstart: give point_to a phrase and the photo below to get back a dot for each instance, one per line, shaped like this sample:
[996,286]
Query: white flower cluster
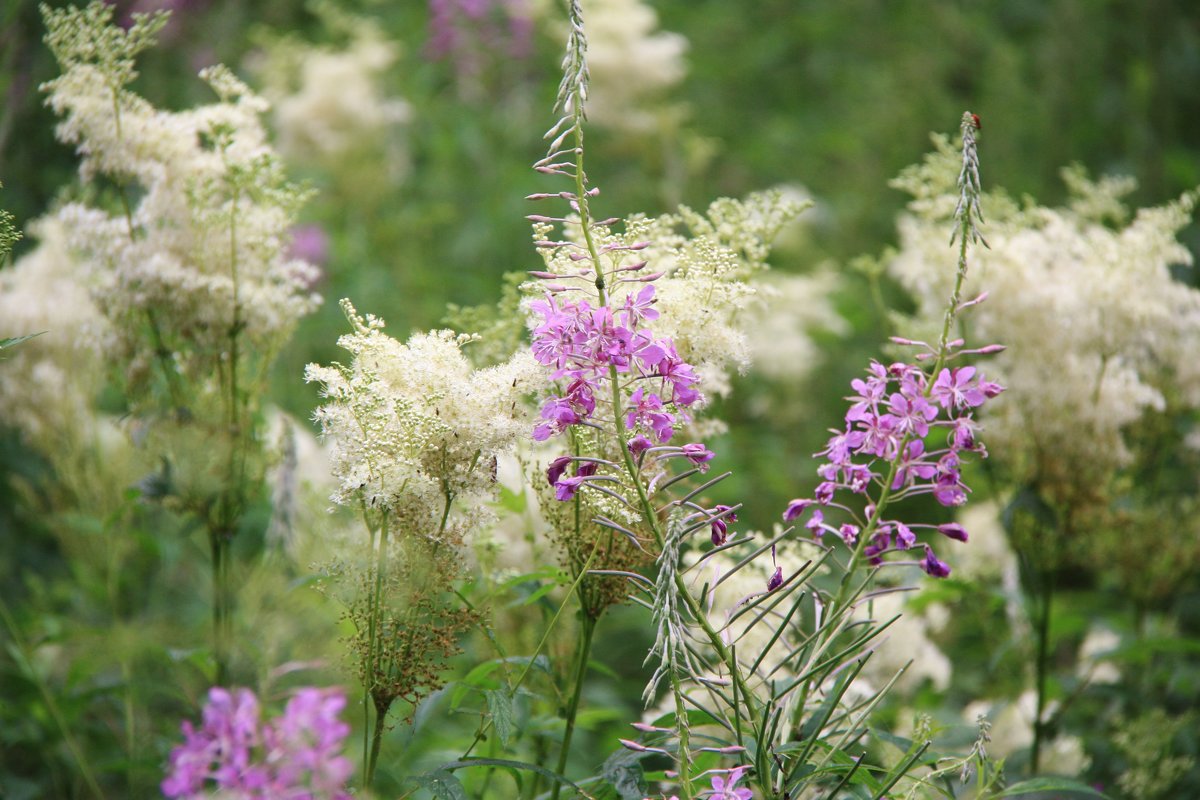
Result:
[780,341]
[50,382]
[412,425]
[630,64]
[1098,330]
[905,645]
[201,258]
[330,101]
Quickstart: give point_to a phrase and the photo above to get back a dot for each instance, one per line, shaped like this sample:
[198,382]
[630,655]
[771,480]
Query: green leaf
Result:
[623,771]
[512,501]
[442,785]
[500,708]
[1036,785]
[541,592]
[505,763]
[13,340]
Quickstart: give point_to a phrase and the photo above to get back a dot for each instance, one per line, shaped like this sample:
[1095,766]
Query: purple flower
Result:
[727,789]
[912,466]
[646,409]
[556,469]
[638,309]
[235,754]
[934,567]
[911,414]
[639,444]
[905,538]
[720,524]
[870,393]
[954,531]
[698,454]
[774,583]
[309,243]
[565,488]
[842,446]
[824,492]
[954,389]
[849,534]
[796,508]
[816,523]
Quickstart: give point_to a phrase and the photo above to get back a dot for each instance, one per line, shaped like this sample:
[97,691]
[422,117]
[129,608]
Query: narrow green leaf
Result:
[12,340]
[1036,785]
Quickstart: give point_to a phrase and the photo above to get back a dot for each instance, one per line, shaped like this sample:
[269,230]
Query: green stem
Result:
[1042,667]
[541,645]
[381,712]
[582,652]
[220,654]
[374,625]
[685,759]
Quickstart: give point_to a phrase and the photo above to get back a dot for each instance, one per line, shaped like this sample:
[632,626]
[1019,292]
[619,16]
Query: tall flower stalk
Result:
[415,433]
[193,279]
[784,698]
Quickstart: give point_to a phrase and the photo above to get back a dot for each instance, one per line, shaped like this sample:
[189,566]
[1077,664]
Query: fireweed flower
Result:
[908,432]
[727,789]
[920,443]
[238,755]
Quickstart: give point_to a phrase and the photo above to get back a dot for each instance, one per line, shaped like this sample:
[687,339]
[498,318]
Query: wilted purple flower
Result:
[776,579]
[795,508]
[934,567]
[954,531]
[720,524]
[556,469]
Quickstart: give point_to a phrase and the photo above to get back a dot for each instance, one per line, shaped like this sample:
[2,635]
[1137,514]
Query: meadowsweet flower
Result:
[407,421]
[203,251]
[329,103]
[51,381]
[237,754]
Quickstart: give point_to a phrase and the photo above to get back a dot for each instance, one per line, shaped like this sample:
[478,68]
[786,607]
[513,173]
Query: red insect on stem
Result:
[975,120]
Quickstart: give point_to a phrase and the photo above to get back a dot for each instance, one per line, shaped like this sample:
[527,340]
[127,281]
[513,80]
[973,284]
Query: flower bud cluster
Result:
[891,442]
[238,755]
